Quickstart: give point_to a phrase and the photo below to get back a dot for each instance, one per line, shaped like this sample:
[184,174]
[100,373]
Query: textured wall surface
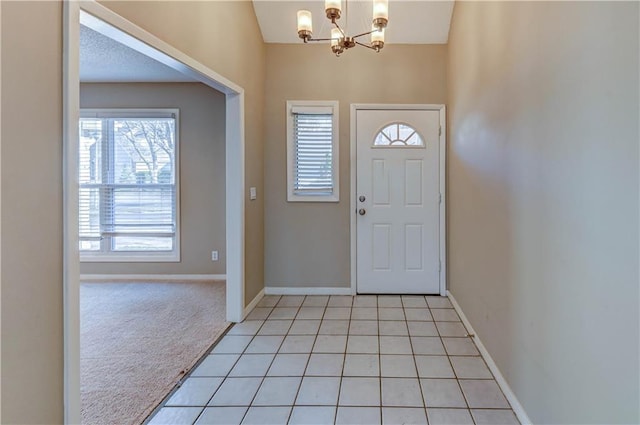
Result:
[543,200]
[31,275]
[31,213]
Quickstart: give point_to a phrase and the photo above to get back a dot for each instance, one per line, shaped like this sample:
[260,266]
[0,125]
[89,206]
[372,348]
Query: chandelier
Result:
[340,41]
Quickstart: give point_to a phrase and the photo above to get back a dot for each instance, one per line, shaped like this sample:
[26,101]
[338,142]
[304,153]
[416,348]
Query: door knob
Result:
[362,211]
[362,198]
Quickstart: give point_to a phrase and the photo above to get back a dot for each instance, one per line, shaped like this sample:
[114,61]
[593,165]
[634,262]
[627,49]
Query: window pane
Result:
[405,132]
[398,135]
[89,214]
[90,159]
[144,151]
[146,209]
[391,132]
[136,243]
[89,245]
[127,184]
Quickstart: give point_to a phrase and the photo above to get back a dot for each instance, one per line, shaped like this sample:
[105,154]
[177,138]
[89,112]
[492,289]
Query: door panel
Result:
[398,175]
[380,183]
[381,247]
[413,251]
[413,178]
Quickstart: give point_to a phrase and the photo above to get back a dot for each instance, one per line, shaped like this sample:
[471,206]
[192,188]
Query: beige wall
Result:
[308,244]
[31,213]
[31,276]
[543,200]
[223,35]
[202,170]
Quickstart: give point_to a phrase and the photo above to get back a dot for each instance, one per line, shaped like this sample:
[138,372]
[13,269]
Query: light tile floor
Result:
[345,360]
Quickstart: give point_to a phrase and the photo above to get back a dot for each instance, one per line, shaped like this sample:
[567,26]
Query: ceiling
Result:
[104,60]
[410,22]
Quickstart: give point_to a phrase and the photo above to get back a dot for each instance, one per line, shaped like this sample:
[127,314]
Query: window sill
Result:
[130,258]
[312,198]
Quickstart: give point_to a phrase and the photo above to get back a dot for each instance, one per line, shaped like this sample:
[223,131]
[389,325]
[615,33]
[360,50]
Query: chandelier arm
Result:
[341,30]
[365,33]
[366,45]
[319,39]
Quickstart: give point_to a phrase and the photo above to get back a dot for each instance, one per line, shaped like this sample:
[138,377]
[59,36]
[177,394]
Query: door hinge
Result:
[439,266]
[440,198]
[440,131]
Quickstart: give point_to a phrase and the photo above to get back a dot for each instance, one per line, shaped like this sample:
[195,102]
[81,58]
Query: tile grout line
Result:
[272,360]
[415,365]
[464,396]
[232,366]
[344,358]
[293,404]
[182,380]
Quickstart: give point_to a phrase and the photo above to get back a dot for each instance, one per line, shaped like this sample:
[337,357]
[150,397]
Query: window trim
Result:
[173,256]
[310,106]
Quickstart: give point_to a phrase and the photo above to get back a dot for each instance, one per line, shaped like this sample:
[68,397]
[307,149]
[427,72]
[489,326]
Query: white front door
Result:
[398,201]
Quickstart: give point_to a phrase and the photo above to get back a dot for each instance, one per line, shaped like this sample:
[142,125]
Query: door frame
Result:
[109,23]
[355,107]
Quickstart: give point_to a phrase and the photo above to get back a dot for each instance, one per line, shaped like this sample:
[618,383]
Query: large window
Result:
[128,185]
[312,151]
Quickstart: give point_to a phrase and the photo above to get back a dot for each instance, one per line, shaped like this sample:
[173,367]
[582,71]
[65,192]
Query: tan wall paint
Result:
[31,39]
[308,244]
[225,36]
[31,213]
[543,200]
[0,210]
[202,170]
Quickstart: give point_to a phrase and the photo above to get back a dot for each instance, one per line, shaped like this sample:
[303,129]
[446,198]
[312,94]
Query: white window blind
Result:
[312,152]
[314,148]
[128,191]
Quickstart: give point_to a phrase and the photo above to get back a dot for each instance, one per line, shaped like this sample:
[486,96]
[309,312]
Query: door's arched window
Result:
[398,135]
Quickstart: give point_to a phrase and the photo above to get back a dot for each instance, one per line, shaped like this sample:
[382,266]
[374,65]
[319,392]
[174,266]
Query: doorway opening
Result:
[113,26]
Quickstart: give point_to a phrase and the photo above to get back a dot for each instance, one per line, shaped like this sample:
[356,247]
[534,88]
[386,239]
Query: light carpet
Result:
[139,339]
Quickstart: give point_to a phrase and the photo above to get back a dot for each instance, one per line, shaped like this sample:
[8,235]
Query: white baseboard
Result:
[294,290]
[254,302]
[150,277]
[506,389]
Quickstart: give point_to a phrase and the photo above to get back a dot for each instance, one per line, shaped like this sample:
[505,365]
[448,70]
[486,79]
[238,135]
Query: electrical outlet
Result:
[214,255]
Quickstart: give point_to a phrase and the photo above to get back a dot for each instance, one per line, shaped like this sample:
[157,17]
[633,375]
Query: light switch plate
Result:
[253,193]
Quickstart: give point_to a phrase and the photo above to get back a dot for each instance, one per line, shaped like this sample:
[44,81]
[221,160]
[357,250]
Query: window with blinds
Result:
[312,151]
[128,206]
